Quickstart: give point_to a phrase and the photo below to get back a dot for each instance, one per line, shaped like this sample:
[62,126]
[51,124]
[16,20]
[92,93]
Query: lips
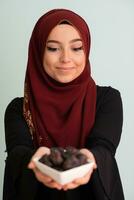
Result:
[65,68]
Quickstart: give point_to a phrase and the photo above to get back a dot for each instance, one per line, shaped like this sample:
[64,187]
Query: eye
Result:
[53,49]
[77,48]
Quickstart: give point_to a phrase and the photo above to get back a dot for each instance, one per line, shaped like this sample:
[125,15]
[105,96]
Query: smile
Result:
[65,68]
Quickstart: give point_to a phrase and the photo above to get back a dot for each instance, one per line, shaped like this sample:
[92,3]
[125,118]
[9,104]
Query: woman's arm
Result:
[16,129]
[19,181]
[104,139]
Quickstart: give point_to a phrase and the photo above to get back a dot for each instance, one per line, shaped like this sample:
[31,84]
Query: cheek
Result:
[80,62]
[48,62]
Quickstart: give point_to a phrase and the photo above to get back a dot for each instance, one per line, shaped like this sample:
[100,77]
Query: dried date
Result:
[64,159]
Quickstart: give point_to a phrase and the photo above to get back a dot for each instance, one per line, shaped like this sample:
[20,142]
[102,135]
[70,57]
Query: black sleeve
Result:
[103,142]
[19,182]
[108,121]
[16,129]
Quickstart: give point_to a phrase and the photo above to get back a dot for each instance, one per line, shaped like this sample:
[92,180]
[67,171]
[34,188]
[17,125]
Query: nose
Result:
[65,56]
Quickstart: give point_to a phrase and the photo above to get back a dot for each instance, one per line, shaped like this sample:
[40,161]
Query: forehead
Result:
[64,31]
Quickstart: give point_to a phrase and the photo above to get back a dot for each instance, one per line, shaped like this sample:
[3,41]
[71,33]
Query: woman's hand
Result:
[49,182]
[46,180]
[85,179]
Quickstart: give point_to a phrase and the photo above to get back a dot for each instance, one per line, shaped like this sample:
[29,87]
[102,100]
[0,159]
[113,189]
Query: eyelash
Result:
[78,49]
[55,49]
[51,49]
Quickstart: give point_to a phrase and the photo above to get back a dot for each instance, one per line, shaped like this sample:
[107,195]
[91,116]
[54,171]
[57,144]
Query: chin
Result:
[65,79]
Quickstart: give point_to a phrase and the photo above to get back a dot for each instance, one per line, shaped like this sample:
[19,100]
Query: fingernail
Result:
[30,166]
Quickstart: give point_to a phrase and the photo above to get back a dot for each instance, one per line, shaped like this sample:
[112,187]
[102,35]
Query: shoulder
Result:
[103,91]
[16,104]
[107,95]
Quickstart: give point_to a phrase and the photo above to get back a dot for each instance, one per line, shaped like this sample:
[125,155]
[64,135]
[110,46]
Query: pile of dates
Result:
[63,158]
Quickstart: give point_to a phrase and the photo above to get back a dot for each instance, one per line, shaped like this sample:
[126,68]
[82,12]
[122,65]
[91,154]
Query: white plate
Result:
[66,176]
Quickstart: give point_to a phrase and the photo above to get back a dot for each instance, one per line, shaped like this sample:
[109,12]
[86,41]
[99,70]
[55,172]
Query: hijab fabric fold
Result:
[58,114]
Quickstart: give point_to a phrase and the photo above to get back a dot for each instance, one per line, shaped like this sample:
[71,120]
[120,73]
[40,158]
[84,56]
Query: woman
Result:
[62,106]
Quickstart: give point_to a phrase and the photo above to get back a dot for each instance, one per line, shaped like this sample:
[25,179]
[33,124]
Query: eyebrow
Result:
[58,42]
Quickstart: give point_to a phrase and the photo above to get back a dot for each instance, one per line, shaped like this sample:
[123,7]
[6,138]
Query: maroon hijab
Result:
[58,114]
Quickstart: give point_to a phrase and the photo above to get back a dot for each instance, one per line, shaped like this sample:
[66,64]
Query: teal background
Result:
[112,31]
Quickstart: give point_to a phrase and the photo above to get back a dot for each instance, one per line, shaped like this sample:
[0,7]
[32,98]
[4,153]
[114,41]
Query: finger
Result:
[53,184]
[41,151]
[31,165]
[87,153]
[71,185]
[90,156]
[41,177]
[46,180]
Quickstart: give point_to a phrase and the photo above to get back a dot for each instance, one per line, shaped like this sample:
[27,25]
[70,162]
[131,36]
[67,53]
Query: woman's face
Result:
[64,57]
